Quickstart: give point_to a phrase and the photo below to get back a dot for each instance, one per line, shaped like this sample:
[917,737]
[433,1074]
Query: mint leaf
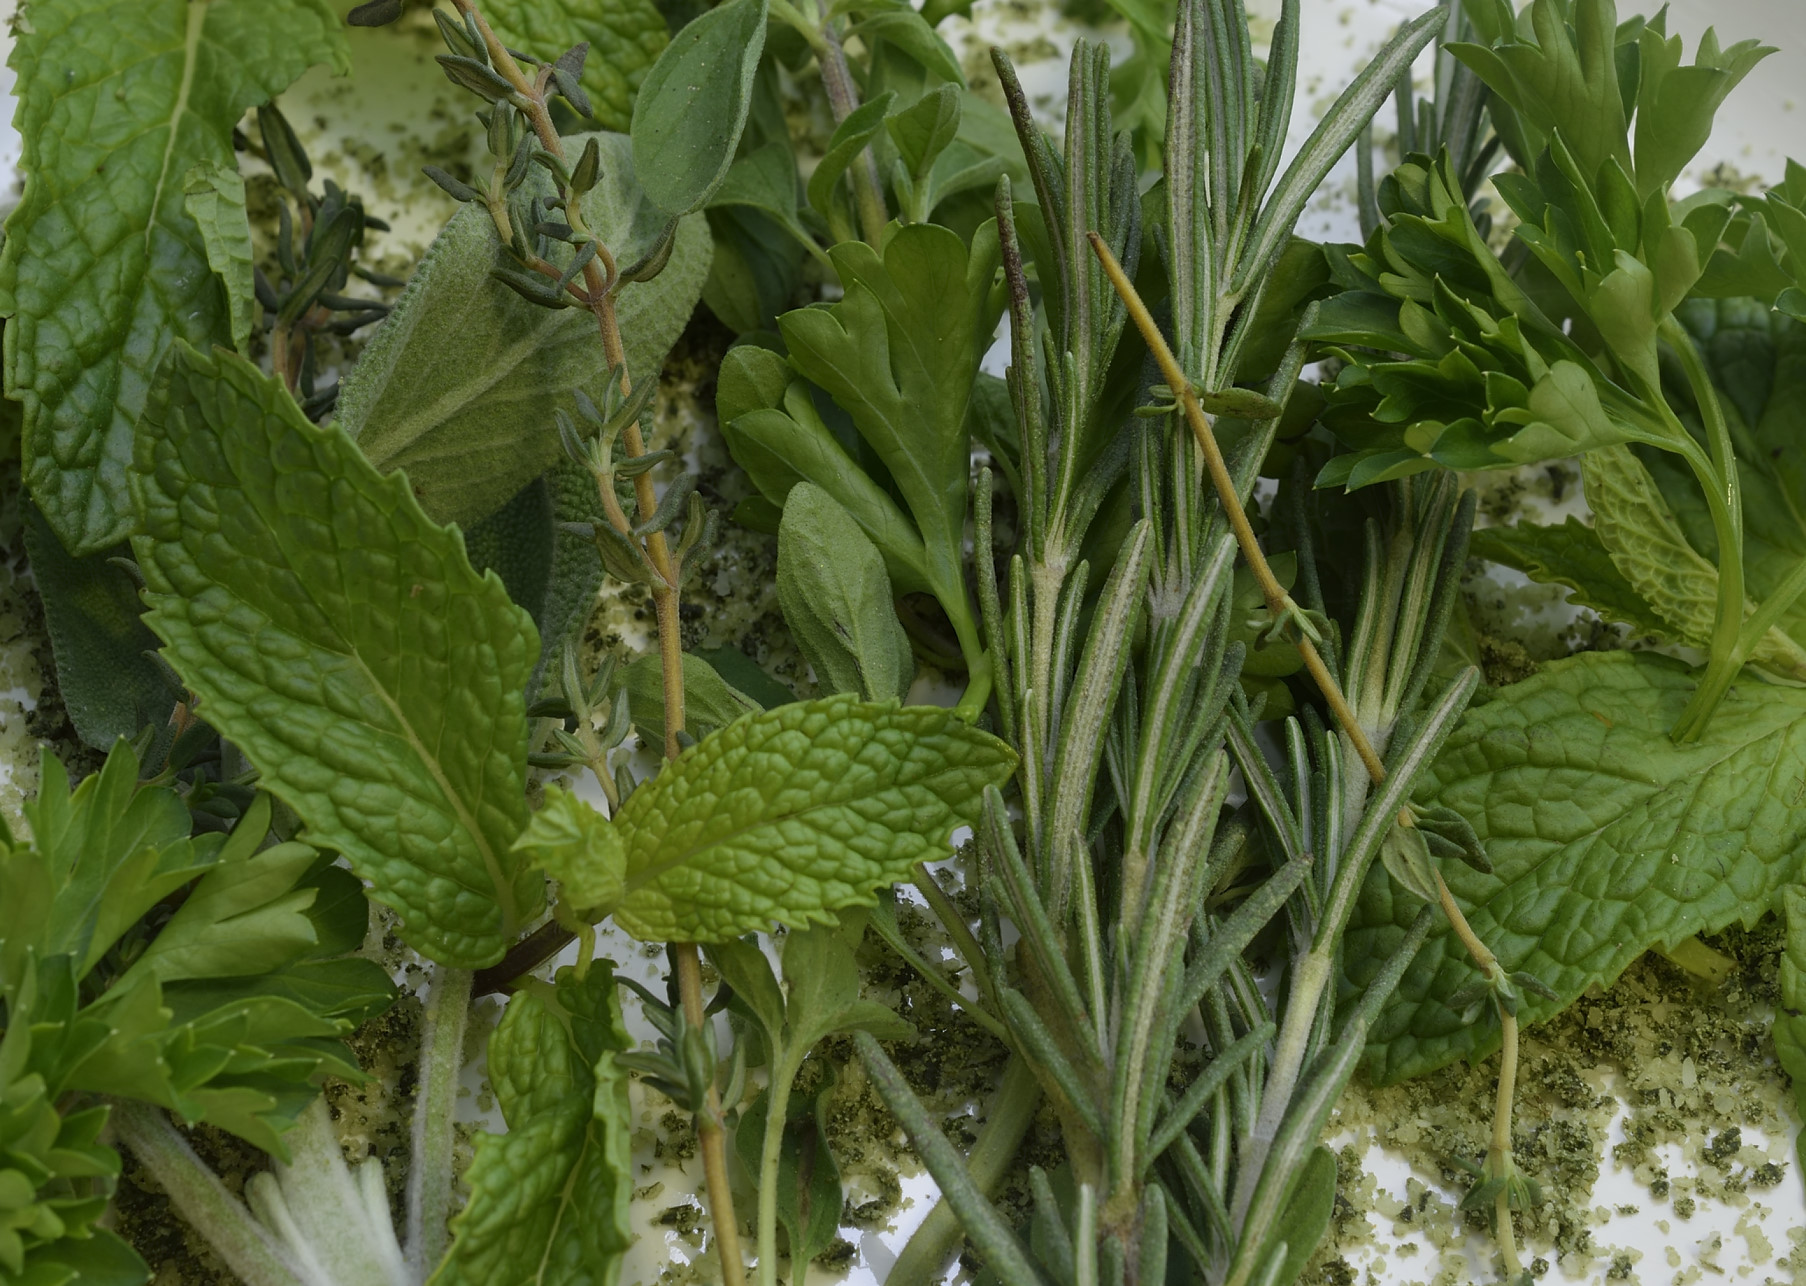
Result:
[549,1199]
[624,37]
[576,845]
[1606,839]
[282,570]
[104,267]
[794,813]
[109,685]
[455,384]
[1647,545]
[216,203]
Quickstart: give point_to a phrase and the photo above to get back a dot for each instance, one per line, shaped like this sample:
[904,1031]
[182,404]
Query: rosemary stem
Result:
[1278,601]
[843,99]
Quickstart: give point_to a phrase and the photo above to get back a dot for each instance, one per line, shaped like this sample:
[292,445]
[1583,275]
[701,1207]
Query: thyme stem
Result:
[711,1139]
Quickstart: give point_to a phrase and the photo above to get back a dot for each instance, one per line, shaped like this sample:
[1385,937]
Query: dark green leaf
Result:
[692,105]
[624,37]
[104,268]
[837,600]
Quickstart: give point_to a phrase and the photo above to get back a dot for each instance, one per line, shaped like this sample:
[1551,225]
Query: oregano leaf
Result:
[794,813]
[104,266]
[282,571]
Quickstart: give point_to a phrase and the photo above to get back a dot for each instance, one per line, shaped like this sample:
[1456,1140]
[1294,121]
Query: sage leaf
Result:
[794,813]
[692,105]
[456,383]
[1606,839]
[625,37]
[103,266]
[216,203]
[282,568]
[108,684]
[549,1199]
[837,600]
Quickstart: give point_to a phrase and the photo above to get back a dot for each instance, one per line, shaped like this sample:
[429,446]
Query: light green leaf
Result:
[710,702]
[923,130]
[1676,104]
[794,813]
[549,1199]
[1572,555]
[282,569]
[910,32]
[1646,543]
[458,384]
[625,37]
[103,267]
[246,916]
[692,105]
[100,857]
[765,180]
[1564,417]
[850,139]
[576,845]
[216,203]
[837,600]
[109,685]
[823,981]
[1606,839]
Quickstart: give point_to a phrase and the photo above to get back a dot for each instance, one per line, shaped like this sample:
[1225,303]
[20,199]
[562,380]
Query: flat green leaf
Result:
[624,36]
[809,1197]
[458,384]
[282,569]
[99,858]
[1606,839]
[549,1199]
[216,203]
[246,916]
[837,600]
[794,813]
[850,138]
[1676,104]
[1570,555]
[710,702]
[109,685]
[899,354]
[910,32]
[1647,545]
[576,845]
[692,105]
[823,981]
[104,267]
[765,180]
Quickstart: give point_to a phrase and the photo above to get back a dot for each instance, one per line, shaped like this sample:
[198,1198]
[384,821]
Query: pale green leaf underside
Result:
[625,38]
[1606,838]
[459,383]
[104,266]
[794,813]
[340,638]
[216,203]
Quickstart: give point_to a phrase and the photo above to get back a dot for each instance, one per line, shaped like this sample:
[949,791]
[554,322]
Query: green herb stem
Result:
[230,1229]
[843,99]
[711,1138]
[771,1156]
[431,1170]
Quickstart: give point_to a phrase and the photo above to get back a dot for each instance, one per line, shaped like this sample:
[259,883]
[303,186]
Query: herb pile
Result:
[1243,816]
